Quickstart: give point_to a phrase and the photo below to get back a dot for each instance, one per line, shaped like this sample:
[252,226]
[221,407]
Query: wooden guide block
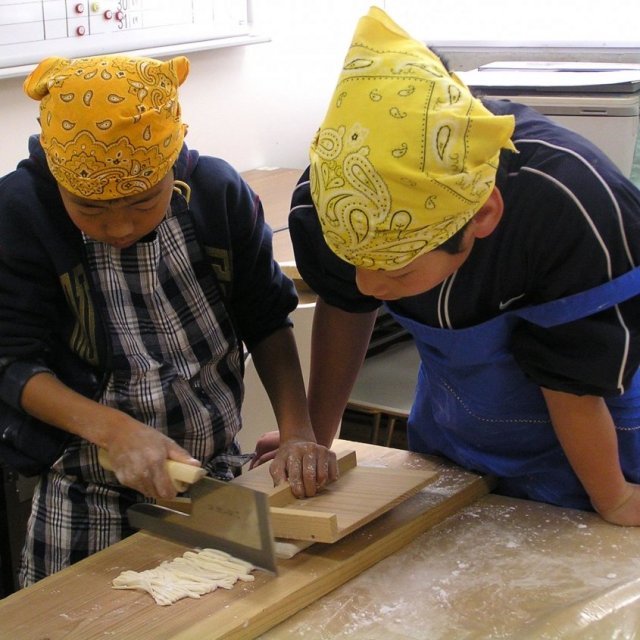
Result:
[358,496]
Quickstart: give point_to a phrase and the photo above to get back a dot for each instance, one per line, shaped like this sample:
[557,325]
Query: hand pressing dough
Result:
[192,575]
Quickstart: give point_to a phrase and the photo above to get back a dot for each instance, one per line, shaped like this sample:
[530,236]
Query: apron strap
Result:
[585,303]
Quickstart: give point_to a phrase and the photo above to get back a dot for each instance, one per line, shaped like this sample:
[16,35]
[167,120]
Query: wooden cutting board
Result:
[78,603]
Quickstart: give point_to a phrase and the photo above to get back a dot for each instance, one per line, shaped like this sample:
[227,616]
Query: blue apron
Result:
[475,406]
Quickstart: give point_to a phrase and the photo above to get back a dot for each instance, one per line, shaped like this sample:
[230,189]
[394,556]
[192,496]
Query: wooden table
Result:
[499,568]
[78,603]
[496,567]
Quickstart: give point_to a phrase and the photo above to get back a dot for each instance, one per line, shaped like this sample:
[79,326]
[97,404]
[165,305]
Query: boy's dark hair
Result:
[454,244]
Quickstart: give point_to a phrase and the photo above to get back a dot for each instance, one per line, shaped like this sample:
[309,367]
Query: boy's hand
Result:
[138,456]
[137,452]
[627,512]
[306,465]
[266,448]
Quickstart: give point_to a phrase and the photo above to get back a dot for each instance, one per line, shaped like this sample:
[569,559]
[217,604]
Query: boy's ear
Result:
[486,220]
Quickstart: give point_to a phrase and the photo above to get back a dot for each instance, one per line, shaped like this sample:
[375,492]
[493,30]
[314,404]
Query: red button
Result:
[79,8]
[81,30]
[108,14]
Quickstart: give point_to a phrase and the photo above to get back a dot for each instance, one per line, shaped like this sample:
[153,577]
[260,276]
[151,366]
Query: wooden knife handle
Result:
[180,473]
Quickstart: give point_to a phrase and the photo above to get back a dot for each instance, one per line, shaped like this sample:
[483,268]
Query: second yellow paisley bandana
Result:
[405,156]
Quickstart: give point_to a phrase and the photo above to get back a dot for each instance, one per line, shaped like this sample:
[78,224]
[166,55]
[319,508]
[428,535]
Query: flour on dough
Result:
[192,575]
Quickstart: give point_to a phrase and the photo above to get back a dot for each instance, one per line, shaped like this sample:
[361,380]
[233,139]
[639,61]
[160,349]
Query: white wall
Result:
[260,105]
[255,106]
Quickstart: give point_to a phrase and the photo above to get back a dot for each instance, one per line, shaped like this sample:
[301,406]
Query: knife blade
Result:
[223,515]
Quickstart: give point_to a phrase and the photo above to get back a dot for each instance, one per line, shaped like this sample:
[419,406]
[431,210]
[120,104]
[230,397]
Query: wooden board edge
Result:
[291,524]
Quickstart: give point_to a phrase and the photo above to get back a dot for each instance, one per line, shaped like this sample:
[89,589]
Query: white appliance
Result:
[600,101]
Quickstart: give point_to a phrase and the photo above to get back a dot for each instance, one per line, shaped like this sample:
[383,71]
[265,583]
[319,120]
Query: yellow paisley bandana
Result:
[110,124]
[405,155]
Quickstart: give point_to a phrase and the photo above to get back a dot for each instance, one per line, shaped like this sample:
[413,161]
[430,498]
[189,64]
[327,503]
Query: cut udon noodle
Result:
[190,576]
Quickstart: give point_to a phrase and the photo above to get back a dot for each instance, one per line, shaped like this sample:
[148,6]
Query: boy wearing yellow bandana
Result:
[506,245]
[132,271]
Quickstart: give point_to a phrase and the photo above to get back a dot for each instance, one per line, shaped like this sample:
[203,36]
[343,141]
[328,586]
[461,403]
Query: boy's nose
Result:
[119,226]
